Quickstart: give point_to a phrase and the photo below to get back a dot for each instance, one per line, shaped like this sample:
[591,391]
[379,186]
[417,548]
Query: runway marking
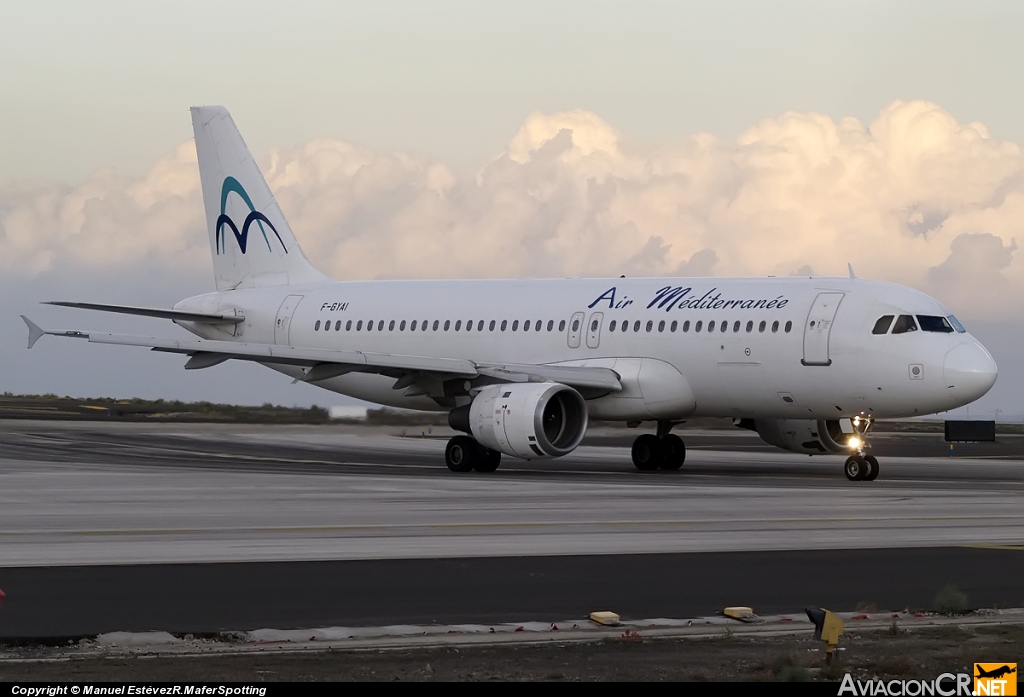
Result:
[501,525]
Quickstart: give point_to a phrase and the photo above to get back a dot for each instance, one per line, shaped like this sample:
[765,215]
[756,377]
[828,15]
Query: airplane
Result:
[995,673]
[523,365]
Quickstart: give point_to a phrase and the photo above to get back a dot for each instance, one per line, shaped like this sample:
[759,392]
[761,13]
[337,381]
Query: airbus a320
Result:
[522,366]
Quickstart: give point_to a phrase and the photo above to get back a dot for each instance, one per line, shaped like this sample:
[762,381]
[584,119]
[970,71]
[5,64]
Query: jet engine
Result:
[810,437]
[528,420]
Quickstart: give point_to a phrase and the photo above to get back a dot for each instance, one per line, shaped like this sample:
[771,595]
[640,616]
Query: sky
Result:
[463,139]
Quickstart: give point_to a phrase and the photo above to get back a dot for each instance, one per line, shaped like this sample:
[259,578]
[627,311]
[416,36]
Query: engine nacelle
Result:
[528,420]
[810,437]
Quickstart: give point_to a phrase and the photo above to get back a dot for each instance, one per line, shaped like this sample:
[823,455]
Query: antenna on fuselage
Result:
[850,267]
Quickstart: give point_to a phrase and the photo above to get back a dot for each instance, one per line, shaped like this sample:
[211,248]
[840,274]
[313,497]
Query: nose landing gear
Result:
[861,466]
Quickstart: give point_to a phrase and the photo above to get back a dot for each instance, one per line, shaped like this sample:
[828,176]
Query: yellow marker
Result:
[741,613]
[605,617]
[827,628]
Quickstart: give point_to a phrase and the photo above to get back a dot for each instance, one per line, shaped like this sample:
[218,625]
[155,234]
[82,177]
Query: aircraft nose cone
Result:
[970,372]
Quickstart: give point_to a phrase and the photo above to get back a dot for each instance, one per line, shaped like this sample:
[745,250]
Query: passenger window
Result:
[750,326]
[711,326]
[551,324]
[904,324]
[789,325]
[575,325]
[515,324]
[661,326]
[447,324]
[437,323]
[380,326]
[686,326]
[423,327]
[625,325]
[931,323]
[526,326]
[882,325]
[469,326]
[316,327]
[348,326]
[337,326]
[611,327]
[697,326]
[672,327]
[369,326]
[561,326]
[401,327]
[504,323]
[593,326]
[725,326]
[761,326]
[956,325]
[636,326]
[412,327]
[775,326]
[458,325]
[490,327]
[650,325]
[480,326]
[736,326]
[359,326]
[391,326]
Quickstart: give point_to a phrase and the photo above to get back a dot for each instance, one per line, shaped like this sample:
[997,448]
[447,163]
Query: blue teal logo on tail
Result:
[232,185]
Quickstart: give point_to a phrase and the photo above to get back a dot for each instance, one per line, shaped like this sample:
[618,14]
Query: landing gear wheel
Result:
[488,459]
[673,452]
[873,464]
[856,468]
[461,454]
[647,452]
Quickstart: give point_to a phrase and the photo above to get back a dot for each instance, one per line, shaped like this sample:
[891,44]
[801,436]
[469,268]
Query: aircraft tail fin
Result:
[251,242]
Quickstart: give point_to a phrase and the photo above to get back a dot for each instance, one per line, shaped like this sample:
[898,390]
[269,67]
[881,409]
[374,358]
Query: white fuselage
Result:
[786,351]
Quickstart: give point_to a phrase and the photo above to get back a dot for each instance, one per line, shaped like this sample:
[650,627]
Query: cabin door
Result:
[818,327]
[284,320]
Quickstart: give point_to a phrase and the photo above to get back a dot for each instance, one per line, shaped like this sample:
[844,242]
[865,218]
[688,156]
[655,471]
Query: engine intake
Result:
[528,420]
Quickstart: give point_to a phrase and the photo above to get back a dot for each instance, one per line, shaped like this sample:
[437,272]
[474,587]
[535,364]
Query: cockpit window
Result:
[956,325]
[883,324]
[932,323]
[904,324]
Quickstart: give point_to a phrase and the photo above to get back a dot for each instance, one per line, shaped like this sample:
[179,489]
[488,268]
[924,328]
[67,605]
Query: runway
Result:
[226,504]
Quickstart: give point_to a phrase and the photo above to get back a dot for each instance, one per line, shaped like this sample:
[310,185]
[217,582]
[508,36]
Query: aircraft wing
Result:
[321,364]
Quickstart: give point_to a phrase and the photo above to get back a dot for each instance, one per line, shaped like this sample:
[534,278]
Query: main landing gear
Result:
[861,467]
[664,451]
[464,454]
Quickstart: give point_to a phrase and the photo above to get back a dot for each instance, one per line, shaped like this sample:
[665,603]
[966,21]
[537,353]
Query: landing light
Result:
[854,442]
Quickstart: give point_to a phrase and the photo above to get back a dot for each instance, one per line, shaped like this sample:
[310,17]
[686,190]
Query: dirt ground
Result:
[894,653]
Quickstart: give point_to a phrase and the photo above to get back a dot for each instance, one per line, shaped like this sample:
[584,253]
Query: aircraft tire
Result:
[647,452]
[873,463]
[461,454]
[856,468]
[673,452]
[488,460]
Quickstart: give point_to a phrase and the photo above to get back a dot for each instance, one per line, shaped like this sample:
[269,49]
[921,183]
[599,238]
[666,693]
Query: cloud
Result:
[914,197]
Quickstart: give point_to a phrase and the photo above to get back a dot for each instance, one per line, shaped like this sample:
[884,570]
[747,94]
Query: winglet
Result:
[35,332]
[850,267]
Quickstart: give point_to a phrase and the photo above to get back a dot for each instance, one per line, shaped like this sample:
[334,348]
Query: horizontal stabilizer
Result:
[35,332]
[202,318]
